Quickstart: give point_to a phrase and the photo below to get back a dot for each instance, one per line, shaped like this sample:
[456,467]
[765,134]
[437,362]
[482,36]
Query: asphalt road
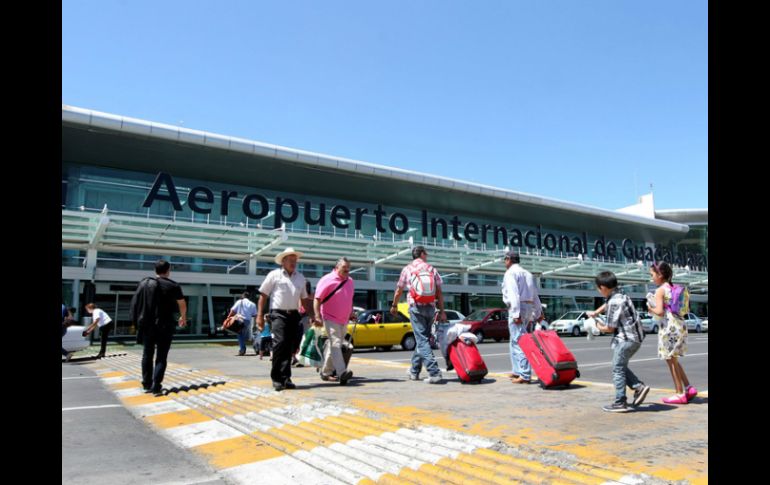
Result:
[594,359]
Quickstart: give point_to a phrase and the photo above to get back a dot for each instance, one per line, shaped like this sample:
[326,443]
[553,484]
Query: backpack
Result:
[422,285]
[144,303]
[680,300]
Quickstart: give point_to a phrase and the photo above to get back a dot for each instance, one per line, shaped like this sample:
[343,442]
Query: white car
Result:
[73,340]
[454,316]
[704,324]
[570,322]
[693,322]
[649,323]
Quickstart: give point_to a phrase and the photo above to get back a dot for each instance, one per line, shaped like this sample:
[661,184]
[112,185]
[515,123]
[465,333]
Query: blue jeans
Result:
[421,317]
[243,336]
[519,363]
[621,374]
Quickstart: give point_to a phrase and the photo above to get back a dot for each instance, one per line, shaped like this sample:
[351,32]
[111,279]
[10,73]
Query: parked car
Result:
[489,323]
[452,317]
[570,323]
[704,324]
[378,328]
[649,323]
[693,323]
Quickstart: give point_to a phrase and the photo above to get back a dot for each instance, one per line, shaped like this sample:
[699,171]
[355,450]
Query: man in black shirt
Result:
[152,311]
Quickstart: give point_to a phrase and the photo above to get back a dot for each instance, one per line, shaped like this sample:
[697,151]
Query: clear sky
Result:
[584,101]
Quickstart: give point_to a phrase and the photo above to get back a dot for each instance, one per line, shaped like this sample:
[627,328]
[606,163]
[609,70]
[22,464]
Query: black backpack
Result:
[144,304]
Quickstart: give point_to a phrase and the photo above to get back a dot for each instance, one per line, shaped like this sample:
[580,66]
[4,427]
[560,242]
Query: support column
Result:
[212,318]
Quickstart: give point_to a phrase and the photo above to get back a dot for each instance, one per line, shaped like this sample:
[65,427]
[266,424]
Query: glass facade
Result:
[90,189]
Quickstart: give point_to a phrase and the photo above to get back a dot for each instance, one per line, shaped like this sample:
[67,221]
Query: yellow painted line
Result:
[508,464]
[236,451]
[125,385]
[107,375]
[330,433]
[276,442]
[449,471]
[418,477]
[143,399]
[178,418]
[371,426]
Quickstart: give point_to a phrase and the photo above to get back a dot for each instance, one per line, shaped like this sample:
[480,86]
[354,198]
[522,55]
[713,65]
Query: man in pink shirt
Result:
[334,304]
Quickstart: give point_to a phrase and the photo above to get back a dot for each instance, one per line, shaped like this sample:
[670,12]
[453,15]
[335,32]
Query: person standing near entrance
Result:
[424,285]
[152,311]
[104,322]
[247,309]
[520,295]
[285,287]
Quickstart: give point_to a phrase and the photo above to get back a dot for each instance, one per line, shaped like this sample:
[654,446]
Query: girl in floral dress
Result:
[672,339]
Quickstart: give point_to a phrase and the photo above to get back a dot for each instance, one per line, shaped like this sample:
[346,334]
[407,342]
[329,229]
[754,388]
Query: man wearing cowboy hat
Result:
[285,287]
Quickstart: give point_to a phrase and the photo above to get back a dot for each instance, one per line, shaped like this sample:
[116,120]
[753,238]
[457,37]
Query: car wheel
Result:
[480,336]
[576,331]
[408,342]
[498,339]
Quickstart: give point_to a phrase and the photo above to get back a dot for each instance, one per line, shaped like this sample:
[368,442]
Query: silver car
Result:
[694,323]
[650,324]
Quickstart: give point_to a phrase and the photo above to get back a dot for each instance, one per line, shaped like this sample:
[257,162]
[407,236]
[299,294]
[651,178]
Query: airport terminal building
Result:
[220,208]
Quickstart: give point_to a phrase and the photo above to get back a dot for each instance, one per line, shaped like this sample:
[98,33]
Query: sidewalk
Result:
[382,428]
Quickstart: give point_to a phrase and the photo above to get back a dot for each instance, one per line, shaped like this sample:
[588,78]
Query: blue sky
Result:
[588,101]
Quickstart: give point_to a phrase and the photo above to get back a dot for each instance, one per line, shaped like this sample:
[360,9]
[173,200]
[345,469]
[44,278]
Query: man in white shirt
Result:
[285,287]
[521,297]
[248,310]
[104,322]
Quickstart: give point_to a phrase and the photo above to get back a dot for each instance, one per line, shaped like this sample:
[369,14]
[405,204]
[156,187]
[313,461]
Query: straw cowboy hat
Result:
[286,252]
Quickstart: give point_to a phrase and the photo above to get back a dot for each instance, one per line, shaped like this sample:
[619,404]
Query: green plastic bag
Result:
[310,352]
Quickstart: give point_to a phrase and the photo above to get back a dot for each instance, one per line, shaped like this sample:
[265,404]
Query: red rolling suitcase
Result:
[551,360]
[467,361]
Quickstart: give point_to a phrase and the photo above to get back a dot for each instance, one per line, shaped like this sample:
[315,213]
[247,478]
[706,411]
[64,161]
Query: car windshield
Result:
[571,316]
[368,317]
[477,315]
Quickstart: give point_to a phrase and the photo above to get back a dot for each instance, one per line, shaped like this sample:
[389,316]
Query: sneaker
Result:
[676,399]
[241,352]
[617,407]
[639,394]
[289,385]
[412,377]
[147,390]
[157,393]
[690,392]
[328,378]
[434,379]
[278,386]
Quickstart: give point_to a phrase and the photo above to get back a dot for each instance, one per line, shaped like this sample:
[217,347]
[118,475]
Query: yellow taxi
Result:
[378,328]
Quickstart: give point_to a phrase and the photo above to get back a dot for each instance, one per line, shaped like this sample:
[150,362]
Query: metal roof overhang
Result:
[128,234]
[100,139]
